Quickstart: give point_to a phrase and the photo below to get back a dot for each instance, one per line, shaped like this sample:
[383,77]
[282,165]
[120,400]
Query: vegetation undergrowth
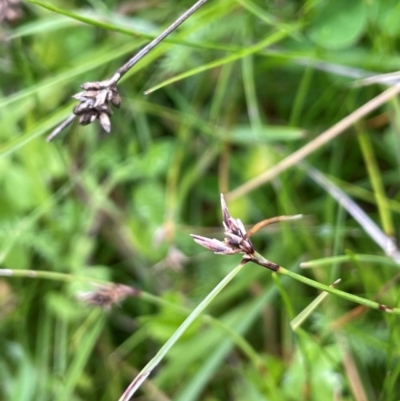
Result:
[103,293]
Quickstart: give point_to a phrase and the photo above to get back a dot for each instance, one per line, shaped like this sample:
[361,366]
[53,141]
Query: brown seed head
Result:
[107,295]
[236,240]
[95,103]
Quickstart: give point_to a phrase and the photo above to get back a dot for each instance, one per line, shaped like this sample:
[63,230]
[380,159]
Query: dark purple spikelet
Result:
[236,240]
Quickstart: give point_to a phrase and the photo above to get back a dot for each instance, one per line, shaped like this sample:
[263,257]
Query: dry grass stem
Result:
[387,244]
[315,144]
[271,220]
[351,369]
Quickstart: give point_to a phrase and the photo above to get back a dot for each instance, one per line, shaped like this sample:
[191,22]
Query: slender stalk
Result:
[271,220]
[341,294]
[331,290]
[129,64]
[145,372]
[305,313]
[382,260]
[47,275]
[62,126]
[138,56]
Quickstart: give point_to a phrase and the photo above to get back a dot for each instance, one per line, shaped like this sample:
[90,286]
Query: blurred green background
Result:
[258,79]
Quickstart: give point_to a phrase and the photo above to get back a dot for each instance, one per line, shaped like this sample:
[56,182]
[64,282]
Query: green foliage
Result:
[237,88]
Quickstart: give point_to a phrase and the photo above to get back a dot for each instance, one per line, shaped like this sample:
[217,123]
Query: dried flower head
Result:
[175,259]
[97,97]
[95,103]
[95,100]
[107,295]
[237,240]
[10,10]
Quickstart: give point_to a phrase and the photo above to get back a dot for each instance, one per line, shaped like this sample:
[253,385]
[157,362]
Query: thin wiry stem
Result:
[63,125]
[271,220]
[97,97]
[386,243]
[341,294]
[305,313]
[128,65]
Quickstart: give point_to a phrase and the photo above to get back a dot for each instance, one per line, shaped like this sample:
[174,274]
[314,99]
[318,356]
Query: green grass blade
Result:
[376,181]
[276,37]
[381,260]
[93,327]
[145,372]
[87,18]
[92,61]
[306,312]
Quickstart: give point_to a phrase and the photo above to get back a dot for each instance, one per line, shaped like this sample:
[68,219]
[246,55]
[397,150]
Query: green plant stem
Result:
[50,276]
[376,181]
[327,288]
[145,372]
[341,294]
[382,260]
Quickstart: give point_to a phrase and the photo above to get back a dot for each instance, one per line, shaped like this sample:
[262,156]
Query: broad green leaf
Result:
[149,202]
[338,24]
